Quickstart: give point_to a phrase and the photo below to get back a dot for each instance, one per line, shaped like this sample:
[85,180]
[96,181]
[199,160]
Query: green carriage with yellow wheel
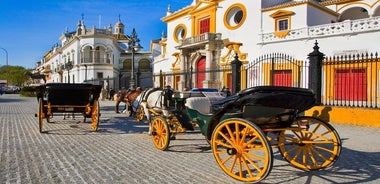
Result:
[244,128]
[64,98]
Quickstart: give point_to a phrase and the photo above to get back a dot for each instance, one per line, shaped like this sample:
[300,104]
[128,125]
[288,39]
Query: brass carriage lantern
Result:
[133,47]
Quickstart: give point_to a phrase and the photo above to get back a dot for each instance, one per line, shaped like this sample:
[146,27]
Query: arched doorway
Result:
[201,69]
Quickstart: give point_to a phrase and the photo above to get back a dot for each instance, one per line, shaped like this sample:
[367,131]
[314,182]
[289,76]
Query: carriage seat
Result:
[202,104]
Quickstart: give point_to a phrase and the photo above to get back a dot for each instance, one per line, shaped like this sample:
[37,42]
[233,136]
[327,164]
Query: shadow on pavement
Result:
[352,167]
[5,98]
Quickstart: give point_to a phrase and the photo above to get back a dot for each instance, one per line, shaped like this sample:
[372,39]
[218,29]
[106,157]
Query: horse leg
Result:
[130,110]
[146,113]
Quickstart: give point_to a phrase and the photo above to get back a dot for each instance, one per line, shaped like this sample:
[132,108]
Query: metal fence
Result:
[190,76]
[349,80]
[277,69]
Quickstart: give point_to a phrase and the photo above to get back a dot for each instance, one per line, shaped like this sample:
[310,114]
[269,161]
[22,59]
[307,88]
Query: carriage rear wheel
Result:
[241,150]
[310,144]
[41,114]
[139,113]
[95,115]
[160,133]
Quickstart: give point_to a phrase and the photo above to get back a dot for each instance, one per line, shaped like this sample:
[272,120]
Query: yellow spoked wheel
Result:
[160,133]
[241,150]
[41,114]
[140,113]
[95,116]
[310,144]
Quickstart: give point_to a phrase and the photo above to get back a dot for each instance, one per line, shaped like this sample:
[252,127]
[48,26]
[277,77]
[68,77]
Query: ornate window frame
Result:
[231,12]
[279,17]
[180,32]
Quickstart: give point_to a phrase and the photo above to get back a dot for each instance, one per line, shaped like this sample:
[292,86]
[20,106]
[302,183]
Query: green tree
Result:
[15,75]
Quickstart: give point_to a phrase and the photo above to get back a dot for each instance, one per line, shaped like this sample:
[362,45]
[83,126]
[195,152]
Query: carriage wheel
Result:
[140,113]
[160,133]
[310,144]
[41,114]
[95,115]
[241,150]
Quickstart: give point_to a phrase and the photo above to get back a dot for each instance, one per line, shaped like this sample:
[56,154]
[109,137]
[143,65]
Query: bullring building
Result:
[273,40]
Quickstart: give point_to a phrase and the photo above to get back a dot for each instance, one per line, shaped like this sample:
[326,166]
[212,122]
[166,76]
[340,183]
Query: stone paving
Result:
[122,152]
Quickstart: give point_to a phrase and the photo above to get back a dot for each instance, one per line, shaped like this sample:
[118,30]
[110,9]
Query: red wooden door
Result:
[201,75]
[204,26]
[282,78]
[350,84]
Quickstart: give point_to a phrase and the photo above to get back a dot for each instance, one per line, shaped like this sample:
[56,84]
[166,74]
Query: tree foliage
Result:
[15,75]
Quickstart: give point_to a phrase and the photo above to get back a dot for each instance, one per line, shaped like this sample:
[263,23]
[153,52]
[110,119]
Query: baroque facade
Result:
[98,56]
[204,37]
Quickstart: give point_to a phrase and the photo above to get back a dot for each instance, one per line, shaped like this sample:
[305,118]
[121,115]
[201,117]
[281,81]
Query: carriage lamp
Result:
[133,47]
[68,67]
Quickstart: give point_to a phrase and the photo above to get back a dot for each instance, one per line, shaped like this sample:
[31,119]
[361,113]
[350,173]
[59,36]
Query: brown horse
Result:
[127,97]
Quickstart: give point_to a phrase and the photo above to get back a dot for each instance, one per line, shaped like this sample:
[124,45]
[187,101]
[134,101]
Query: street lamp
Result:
[6,60]
[133,46]
[68,67]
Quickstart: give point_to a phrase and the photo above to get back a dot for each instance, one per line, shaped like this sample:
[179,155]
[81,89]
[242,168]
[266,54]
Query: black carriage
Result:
[243,129]
[68,98]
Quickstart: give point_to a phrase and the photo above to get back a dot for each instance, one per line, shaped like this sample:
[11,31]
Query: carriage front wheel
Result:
[310,144]
[139,113]
[160,133]
[95,115]
[241,150]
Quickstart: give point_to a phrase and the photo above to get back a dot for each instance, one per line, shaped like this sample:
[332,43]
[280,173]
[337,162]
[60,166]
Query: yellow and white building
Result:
[203,37]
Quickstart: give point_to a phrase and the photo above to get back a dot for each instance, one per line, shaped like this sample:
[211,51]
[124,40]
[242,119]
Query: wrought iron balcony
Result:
[200,39]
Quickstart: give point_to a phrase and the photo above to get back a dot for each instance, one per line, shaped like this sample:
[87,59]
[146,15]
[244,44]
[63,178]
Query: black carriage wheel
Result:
[310,144]
[139,113]
[160,133]
[41,115]
[240,148]
[95,113]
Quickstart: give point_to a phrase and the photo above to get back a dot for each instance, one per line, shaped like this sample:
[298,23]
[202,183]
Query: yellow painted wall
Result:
[345,115]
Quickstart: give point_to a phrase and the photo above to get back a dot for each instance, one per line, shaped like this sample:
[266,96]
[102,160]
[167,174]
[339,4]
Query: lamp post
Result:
[68,67]
[133,47]
[6,60]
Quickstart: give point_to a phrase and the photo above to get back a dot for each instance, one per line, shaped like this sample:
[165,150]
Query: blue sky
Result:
[29,28]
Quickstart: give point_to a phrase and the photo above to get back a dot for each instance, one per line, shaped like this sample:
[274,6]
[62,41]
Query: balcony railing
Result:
[199,39]
[333,29]
[96,60]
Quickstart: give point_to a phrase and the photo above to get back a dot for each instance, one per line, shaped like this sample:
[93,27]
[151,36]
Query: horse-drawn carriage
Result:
[242,129]
[68,98]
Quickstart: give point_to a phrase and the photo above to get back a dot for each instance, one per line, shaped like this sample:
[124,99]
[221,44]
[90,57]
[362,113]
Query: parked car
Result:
[1,90]
[11,90]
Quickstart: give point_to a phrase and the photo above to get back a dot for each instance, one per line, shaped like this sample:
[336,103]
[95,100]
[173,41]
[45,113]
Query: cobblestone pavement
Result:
[122,152]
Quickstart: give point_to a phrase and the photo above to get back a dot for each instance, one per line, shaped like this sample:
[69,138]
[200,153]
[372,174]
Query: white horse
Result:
[152,99]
